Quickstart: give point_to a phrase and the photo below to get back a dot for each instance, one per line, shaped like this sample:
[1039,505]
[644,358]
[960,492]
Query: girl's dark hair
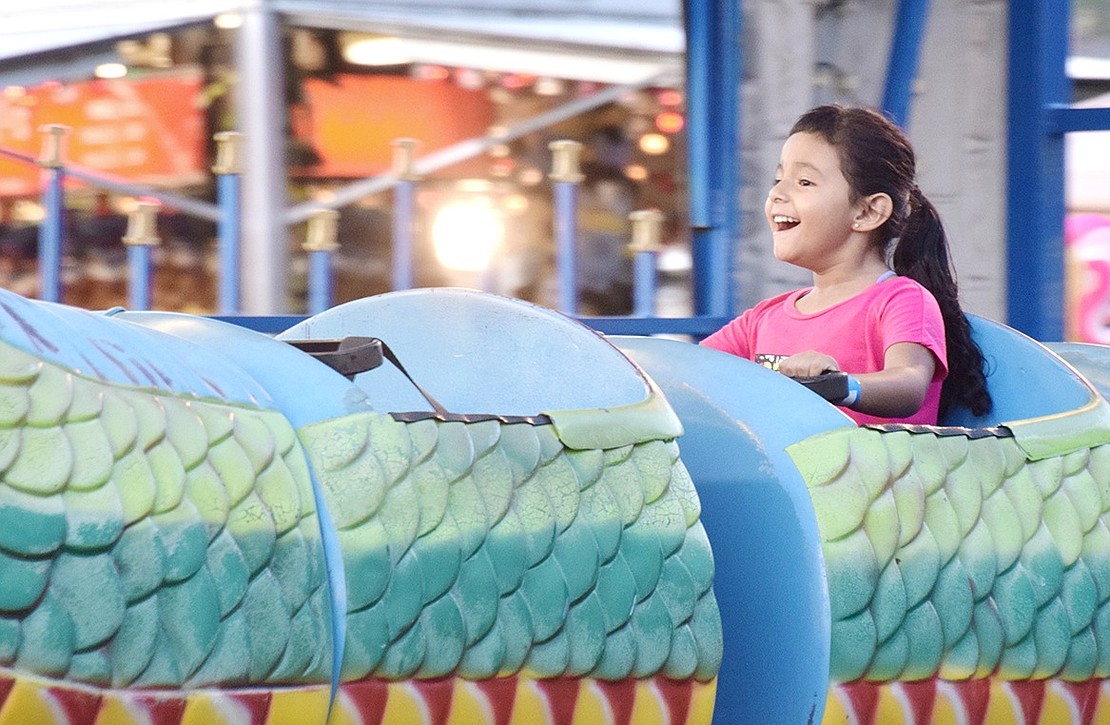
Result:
[876,157]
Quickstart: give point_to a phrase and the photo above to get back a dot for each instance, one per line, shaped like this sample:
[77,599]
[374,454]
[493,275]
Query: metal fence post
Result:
[228,170]
[404,150]
[52,230]
[320,243]
[142,234]
[647,227]
[566,175]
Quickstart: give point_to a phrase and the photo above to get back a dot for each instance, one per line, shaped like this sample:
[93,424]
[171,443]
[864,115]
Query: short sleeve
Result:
[733,337]
[911,314]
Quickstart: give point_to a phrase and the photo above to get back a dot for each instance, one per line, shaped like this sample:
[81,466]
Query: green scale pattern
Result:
[149,539]
[960,557]
[486,549]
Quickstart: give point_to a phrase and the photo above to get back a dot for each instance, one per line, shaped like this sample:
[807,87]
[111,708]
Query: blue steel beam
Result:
[713,73]
[1035,196]
[905,50]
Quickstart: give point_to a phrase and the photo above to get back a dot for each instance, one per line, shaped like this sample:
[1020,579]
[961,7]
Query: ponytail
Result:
[921,253]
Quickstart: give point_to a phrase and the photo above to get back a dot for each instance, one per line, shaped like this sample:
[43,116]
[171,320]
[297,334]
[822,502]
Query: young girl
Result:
[844,192]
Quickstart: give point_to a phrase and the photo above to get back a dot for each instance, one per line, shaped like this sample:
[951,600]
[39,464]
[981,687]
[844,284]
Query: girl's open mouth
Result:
[783,222]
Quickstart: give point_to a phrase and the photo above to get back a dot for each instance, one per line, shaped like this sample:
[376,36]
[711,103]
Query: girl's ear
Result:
[873,212]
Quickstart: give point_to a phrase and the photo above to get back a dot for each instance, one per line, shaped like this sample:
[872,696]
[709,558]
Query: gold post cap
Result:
[52,136]
[142,225]
[564,160]
[322,231]
[229,153]
[404,158]
[647,230]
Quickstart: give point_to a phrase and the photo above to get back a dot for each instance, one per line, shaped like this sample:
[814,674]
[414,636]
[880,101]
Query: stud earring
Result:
[855,226]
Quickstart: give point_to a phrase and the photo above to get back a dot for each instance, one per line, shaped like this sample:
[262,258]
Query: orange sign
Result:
[353,120]
[146,131]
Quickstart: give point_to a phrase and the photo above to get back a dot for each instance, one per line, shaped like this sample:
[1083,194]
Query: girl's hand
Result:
[808,364]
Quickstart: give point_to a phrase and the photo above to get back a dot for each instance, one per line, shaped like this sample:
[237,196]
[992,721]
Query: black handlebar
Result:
[832,386]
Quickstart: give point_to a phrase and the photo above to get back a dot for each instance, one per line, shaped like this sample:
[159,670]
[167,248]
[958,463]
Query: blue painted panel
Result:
[770,581]
[479,353]
[1025,378]
[113,350]
[302,388]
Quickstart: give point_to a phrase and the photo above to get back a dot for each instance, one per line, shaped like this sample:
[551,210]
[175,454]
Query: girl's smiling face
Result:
[809,208]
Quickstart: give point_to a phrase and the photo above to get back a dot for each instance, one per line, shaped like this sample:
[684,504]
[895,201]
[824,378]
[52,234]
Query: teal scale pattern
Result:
[151,540]
[487,549]
[960,557]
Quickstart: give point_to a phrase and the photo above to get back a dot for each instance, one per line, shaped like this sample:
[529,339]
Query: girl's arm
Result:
[896,391]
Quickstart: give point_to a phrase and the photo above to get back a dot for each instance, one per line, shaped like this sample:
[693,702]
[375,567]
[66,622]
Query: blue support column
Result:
[320,243]
[321,295]
[404,153]
[139,277]
[566,175]
[51,233]
[52,229]
[905,50]
[141,236]
[403,195]
[228,230]
[713,75]
[647,227]
[1035,197]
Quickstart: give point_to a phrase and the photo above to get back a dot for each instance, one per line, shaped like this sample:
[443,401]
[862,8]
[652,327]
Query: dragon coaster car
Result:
[201,524]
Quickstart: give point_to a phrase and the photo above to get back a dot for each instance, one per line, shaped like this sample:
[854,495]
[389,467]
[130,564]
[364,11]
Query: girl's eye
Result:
[805,182]
[777,181]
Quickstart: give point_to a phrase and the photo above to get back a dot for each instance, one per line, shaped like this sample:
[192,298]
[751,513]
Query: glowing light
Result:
[669,97]
[502,168]
[516,203]
[654,144]
[636,172]
[547,86]
[530,176]
[670,122]
[110,70]
[228,21]
[376,52]
[465,235]
[431,73]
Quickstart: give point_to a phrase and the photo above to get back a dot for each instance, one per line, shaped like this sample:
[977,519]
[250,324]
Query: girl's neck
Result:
[833,286]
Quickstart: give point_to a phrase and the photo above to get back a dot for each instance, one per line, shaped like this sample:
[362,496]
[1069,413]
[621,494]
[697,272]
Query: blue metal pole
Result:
[51,233]
[699,21]
[139,273]
[644,283]
[229,236]
[713,69]
[228,170]
[141,235]
[905,50]
[566,253]
[320,243]
[1035,195]
[320,292]
[402,234]
[565,175]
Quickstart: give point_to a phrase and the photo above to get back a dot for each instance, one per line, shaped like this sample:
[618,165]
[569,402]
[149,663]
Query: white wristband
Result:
[853,392]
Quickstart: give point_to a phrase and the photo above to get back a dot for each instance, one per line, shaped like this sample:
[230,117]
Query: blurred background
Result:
[323,90]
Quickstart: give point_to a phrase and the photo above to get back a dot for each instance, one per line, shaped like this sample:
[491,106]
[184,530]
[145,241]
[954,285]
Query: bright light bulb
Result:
[654,144]
[376,52]
[110,71]
[228,21]
[466,234]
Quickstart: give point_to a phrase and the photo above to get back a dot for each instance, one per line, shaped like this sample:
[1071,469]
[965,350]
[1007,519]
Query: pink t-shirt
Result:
[856,333]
